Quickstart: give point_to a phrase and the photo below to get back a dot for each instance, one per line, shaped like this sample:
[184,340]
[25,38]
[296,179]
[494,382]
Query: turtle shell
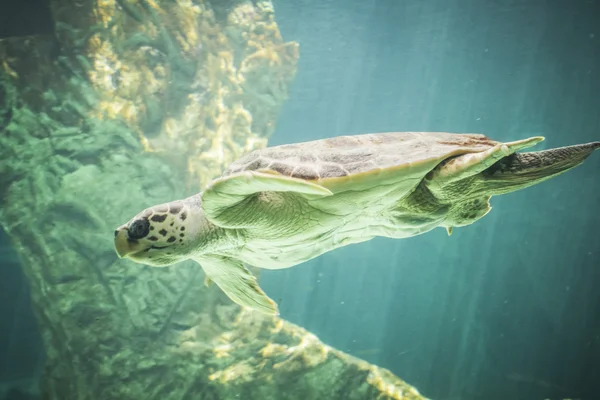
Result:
[362,161]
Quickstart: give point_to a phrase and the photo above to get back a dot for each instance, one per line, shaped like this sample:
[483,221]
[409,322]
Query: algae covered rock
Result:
[131,103]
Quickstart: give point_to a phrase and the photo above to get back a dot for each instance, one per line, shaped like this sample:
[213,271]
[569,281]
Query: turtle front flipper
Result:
[237,283]
[231,190]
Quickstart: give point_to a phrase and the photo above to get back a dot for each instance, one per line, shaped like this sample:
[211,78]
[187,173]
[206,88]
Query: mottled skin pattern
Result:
[162,228]
[280,206]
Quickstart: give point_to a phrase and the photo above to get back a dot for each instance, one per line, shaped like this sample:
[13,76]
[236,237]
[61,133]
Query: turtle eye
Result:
[138,229]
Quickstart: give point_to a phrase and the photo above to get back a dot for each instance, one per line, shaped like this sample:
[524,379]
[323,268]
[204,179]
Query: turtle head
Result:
[163,234]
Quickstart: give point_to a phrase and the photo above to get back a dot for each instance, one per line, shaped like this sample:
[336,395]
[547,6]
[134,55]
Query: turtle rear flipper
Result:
[468,165]
[237,283]
[522,170]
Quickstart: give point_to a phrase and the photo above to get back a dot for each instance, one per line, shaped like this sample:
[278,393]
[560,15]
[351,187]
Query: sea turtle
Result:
[280,206]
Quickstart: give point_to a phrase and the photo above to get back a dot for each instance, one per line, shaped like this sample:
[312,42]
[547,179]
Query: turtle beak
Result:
[521,170]
[123,245]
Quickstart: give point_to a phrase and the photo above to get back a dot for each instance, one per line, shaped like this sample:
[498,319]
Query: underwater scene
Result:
[299,199]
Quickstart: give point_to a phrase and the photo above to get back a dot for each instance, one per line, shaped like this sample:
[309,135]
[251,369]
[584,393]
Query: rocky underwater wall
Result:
[131,103]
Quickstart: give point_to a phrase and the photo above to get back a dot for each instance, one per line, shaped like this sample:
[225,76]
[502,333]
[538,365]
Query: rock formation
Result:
[131,103]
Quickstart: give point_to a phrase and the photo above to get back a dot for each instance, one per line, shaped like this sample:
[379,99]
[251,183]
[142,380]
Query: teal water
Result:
[507,308]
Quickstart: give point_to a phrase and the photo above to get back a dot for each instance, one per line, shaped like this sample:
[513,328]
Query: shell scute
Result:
[343,160]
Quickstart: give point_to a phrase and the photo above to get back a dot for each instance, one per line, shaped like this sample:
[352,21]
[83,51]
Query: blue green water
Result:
[507,308]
